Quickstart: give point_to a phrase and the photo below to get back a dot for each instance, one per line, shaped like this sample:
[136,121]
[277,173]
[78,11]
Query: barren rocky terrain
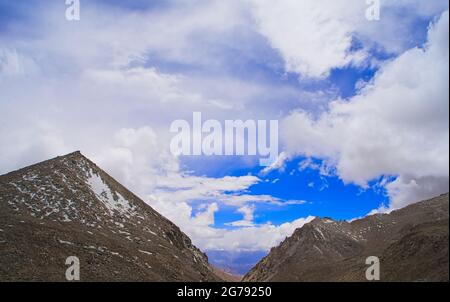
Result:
[68,206]
[411,244]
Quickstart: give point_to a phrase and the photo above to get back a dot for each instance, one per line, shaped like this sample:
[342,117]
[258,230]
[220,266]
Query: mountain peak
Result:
[324,220]
[69,206]
[329,250]
[74,153]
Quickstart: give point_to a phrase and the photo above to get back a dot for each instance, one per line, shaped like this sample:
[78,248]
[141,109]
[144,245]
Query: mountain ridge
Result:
[329,250]
[69,206]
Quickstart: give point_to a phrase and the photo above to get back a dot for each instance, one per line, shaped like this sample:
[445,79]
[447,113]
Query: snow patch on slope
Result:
[113,201]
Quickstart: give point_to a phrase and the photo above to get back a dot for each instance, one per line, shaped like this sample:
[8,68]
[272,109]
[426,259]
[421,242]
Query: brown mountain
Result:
[411,243]
[67,206]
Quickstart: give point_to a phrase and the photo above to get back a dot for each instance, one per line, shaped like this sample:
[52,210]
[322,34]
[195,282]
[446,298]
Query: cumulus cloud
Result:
[135,157]
[247,221]
[396,125]
[407,189]
[10,62]
[261,237]
[278,164]
[299,30]
[315,36]
[244,236]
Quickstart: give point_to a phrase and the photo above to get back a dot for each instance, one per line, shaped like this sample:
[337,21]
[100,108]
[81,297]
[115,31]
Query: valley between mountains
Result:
[68,206]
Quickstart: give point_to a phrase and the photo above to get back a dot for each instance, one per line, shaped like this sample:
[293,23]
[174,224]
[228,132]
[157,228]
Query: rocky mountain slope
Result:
[411,243]
[226,276]
[68,206]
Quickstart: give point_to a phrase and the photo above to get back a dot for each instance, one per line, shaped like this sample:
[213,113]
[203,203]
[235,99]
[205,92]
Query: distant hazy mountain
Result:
[68,206]
[411,244]
[235,262]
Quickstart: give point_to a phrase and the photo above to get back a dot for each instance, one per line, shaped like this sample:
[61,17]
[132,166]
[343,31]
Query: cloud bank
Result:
[396,125]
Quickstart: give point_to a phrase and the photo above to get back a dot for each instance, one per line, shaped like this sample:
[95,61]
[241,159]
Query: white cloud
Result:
[324,168]
[246,236]
[396,125]
[278,164]
[408,189]
[312,36]
[136,158]
[206,218]
[9,62]
[315,36]
[253,238]
[247,221]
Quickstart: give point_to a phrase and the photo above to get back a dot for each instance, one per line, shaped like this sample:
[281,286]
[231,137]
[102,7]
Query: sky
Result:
[362,105]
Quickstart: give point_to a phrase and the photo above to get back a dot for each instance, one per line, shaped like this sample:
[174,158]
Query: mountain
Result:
[411,244]
[226,276]
[67,206]
[235,262]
